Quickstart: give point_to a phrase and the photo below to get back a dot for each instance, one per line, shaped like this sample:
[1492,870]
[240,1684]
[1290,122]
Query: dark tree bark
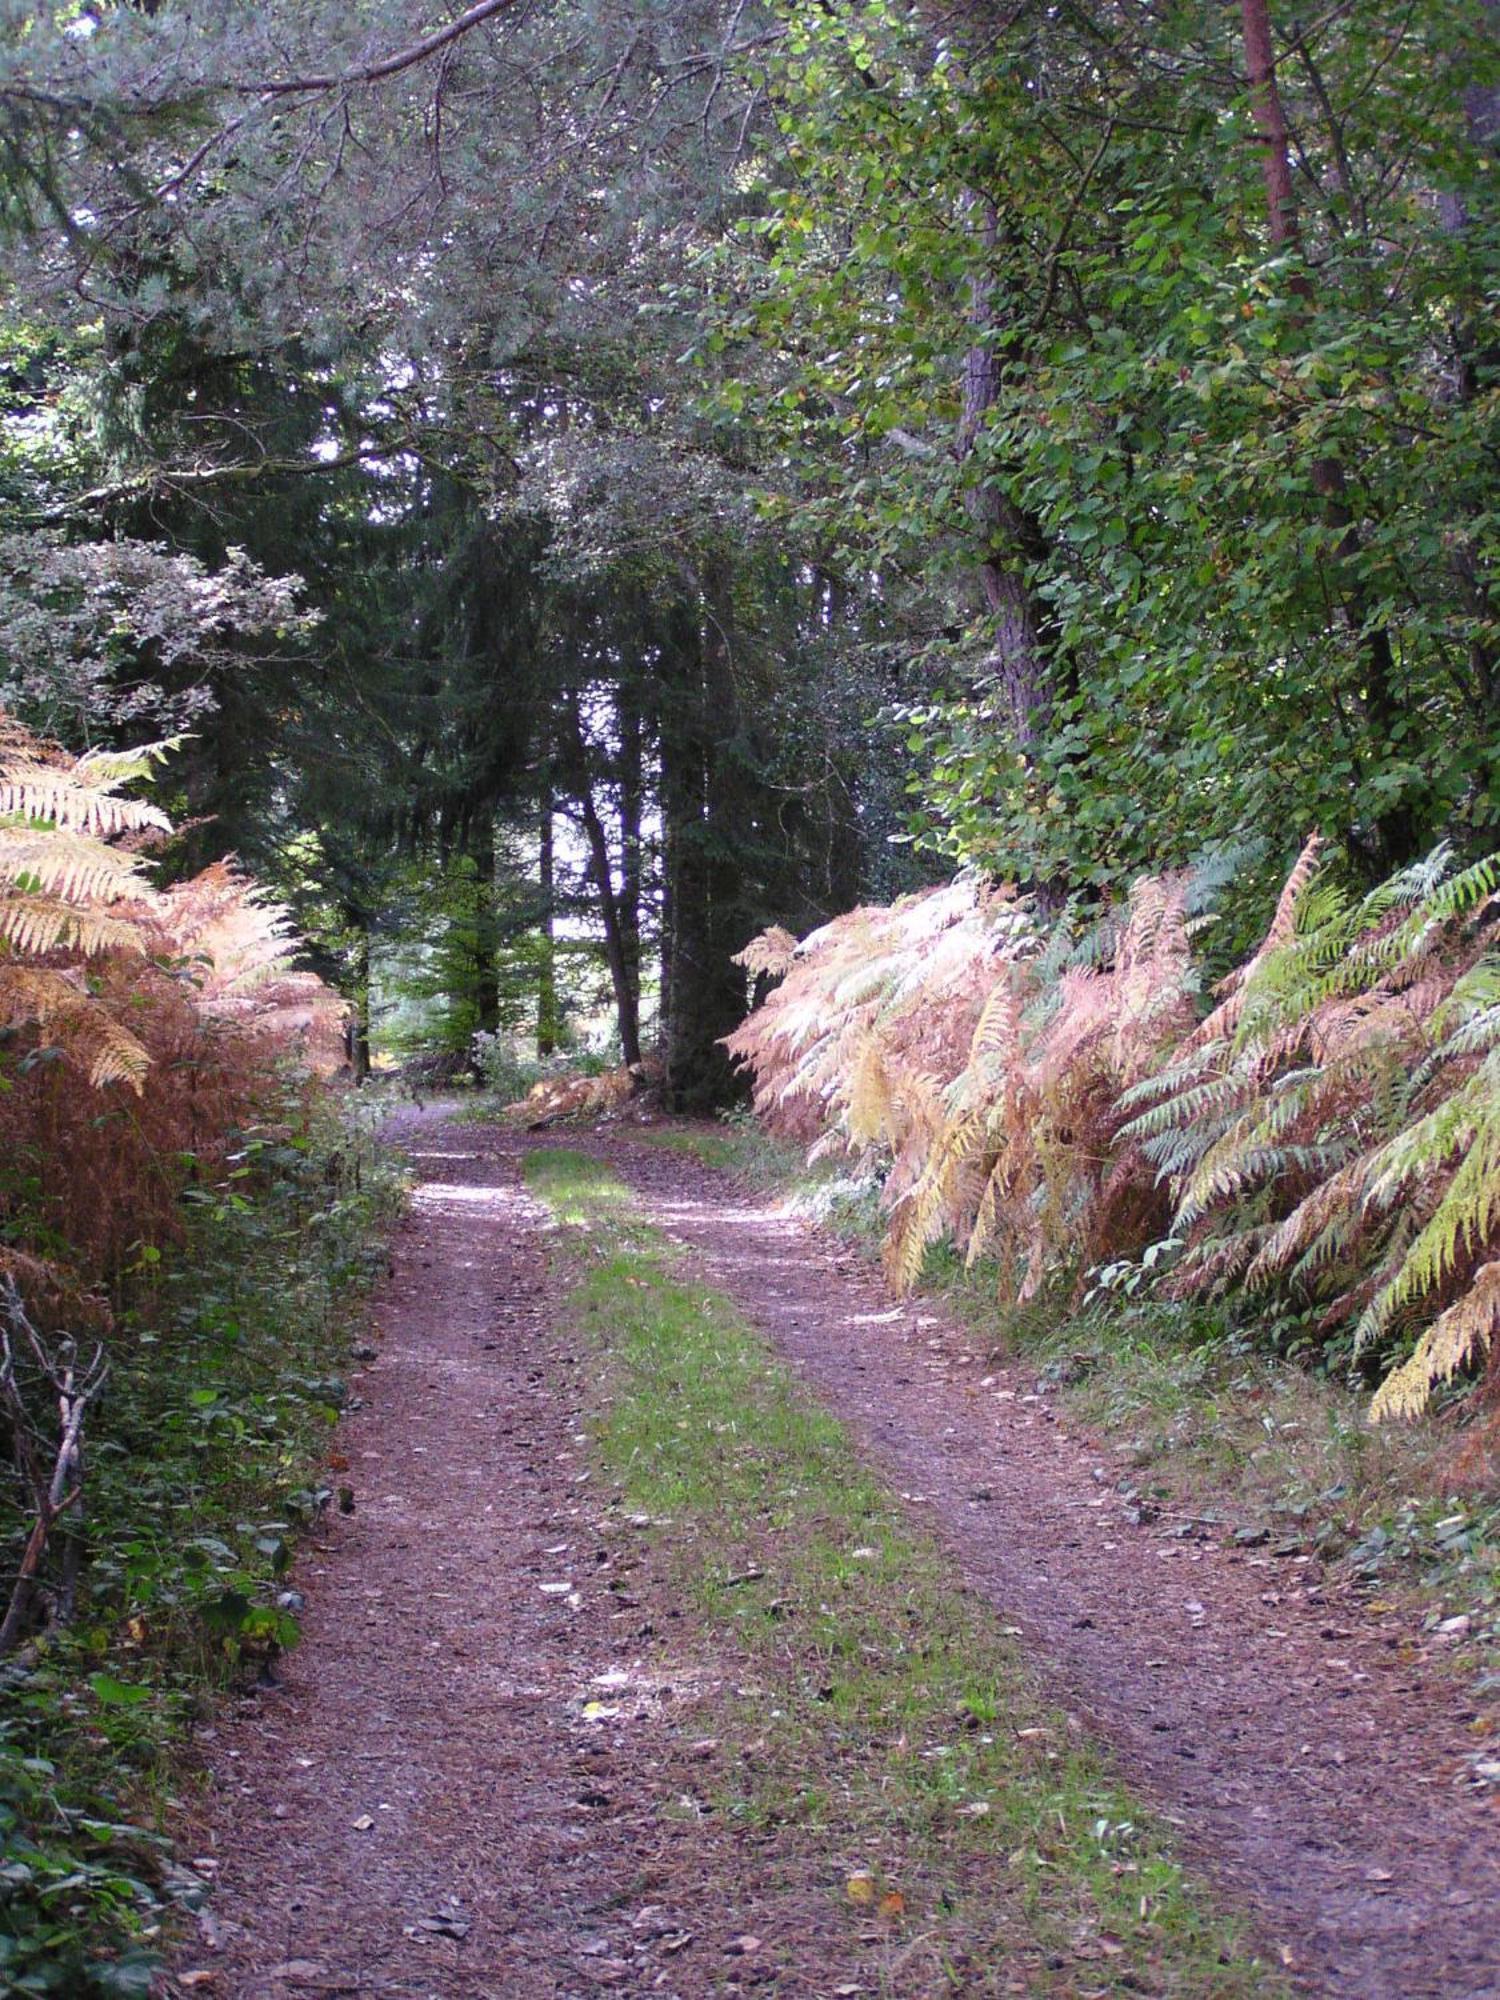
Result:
[708,806]
[1270,121]
[1394,835]
[481,849]
[359,1015]
[546,983]
[632,814]
[1007,540]
[1476,361]
[627,995]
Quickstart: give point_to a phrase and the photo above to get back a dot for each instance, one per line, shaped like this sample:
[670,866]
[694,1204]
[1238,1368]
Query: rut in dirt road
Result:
[427,1808]
[1313,1770]
[406,1818]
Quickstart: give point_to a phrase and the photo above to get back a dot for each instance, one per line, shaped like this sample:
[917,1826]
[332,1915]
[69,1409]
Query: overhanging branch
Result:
[377,72]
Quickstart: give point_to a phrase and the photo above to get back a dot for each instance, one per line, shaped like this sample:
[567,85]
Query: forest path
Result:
[422,1810]
[1314,1766]
[419,1811]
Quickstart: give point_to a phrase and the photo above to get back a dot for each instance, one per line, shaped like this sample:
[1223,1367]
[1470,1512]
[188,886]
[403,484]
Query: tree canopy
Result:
[586,483]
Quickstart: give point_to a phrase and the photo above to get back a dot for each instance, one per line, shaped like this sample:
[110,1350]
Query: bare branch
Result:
[387,67]
[54,1492]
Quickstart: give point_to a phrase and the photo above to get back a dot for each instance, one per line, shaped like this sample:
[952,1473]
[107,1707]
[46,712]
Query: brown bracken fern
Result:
[62,888]
[174,1006]
[1330,1129]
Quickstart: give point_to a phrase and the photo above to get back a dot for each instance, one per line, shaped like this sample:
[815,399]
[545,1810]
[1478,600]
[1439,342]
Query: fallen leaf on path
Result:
[893,1904]
[860,1888]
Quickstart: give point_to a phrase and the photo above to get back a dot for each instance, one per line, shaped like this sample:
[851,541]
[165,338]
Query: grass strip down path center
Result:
[885,1754]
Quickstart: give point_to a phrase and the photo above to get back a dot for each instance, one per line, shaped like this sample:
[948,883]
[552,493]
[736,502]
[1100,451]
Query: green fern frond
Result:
[1460,1230]
[1310,1222]
[1454,1341]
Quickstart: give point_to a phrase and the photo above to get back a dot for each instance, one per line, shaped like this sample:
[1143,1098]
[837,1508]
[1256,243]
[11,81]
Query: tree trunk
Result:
[1476,356]
[1270,121]
[627,998]
[667,913]
[708,809]
[632,855]
[1394,833]
[486,923]
[1007,540]
[546,982]
[358,1033]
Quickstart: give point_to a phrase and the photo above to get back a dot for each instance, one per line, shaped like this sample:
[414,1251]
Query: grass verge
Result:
[210,1451]
[965,1836]
[1202,1416]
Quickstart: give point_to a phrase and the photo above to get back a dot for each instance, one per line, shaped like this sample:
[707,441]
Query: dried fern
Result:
[70,893]
[1331,1126]
[1335,1125]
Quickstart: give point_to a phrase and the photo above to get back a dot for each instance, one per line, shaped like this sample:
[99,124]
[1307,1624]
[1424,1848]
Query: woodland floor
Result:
[423,1807]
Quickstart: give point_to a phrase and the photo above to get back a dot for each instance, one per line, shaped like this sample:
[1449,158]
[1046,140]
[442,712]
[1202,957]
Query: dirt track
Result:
[1313,1769]
[422,1810]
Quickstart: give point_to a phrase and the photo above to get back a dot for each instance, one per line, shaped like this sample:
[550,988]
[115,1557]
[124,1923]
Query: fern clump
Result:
[873,1019]
[174,1003]
[63,883]
[1329,1130]
[1333,1128]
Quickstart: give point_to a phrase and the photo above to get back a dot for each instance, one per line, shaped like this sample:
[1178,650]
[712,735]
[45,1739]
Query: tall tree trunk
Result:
[1017,662]
[667,913]
[708,808]
[1476,355]
[632,812]
[627,997]
[841,861]
[546,982]
[1270,121]
[359,1004]
[1395,838]
[481,848]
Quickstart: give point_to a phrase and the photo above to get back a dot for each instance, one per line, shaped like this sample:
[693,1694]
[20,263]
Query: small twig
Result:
[56,1492]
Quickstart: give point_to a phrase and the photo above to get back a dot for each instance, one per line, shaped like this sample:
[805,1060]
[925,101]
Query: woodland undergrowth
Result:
[210,1454]
[185,1219]
[1314,1139]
